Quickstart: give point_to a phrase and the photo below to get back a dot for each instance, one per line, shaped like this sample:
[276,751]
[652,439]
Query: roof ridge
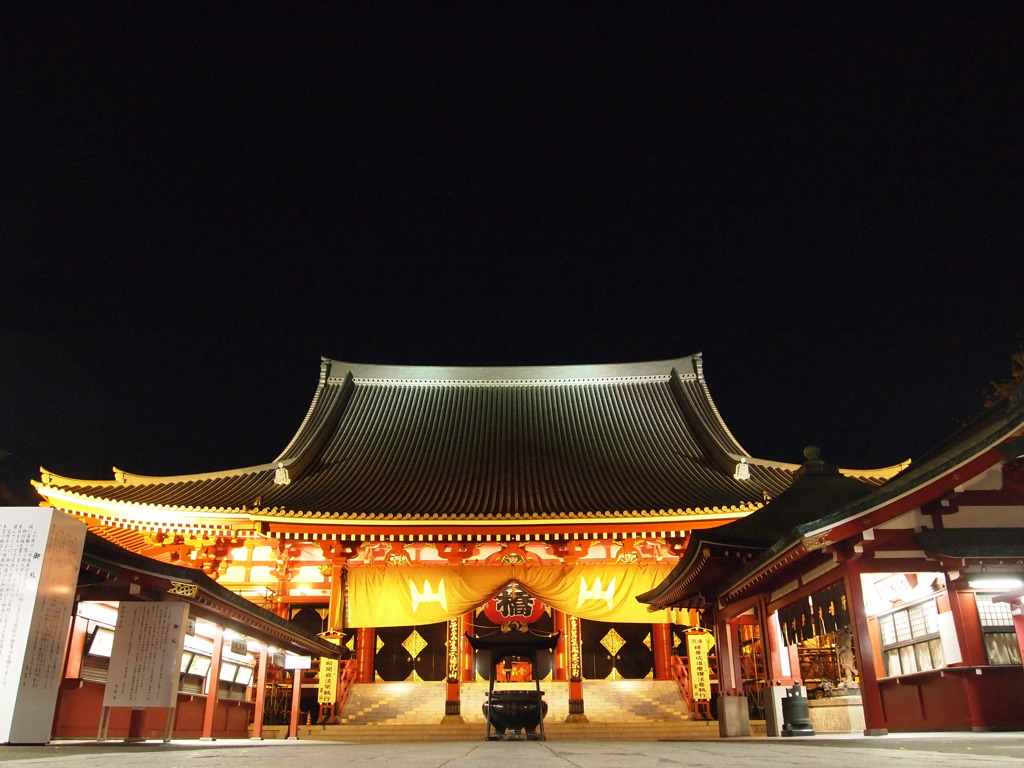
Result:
[121,477]
[500,373]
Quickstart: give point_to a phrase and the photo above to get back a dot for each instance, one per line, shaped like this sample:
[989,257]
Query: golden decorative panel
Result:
[414,644]
[613,642]
[647,642]
[183,589]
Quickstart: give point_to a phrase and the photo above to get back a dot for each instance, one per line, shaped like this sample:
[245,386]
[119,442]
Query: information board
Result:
[146,657]
[40,555]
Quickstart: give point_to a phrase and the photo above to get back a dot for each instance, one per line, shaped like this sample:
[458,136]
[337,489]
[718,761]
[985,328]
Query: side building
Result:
[898,607]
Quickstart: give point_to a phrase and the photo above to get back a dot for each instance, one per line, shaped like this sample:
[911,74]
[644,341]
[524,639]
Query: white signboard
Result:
[40,554]
[948,637]
[146,656]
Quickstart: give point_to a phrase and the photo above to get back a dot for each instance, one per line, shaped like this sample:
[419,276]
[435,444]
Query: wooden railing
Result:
[681,674]
[699,710]
[348,671]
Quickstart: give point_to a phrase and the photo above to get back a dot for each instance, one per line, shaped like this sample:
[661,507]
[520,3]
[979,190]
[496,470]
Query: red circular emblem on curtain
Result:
[513,603]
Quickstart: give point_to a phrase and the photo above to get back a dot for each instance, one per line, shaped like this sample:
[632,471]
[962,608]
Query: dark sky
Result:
[200,200]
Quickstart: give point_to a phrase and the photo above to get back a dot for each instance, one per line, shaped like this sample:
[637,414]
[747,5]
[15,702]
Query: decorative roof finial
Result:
[281,475]
[742,471]
[812,454]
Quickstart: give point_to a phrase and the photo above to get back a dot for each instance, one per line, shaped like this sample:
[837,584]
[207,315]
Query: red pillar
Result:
[468,659]
[661,640]
[336,606]
[365,652]
[293,721]
[730,677]
[964,607]
[135,723]
[561,663]
[261,693]
[772,647]
[871,695]
[968,628]
[212,684]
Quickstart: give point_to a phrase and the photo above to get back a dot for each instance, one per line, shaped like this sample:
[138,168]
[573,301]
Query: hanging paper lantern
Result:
[513,603]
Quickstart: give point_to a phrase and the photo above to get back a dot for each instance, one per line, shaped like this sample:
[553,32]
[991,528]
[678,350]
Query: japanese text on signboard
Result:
[698,644]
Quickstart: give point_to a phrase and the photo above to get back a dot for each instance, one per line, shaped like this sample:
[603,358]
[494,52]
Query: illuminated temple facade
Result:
[416,504]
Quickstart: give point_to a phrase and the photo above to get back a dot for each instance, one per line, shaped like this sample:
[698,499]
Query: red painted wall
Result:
[954,701]
[80,706]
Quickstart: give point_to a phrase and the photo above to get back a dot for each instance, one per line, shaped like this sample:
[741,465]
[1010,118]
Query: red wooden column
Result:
[212,684]
[964,607]
[283,570]
[336,557]
[136,720]
[336,607]
[727,651]
[561,662]
[468,657]
[261,694]
[871,696]
[661,640]
[293,721]
[770,645]
[365,652]
[968,628]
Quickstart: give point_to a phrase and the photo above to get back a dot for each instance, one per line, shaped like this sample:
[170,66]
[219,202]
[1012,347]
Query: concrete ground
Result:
[945,750]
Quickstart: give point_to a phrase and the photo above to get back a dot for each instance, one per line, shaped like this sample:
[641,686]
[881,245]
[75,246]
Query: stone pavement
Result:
[947,750]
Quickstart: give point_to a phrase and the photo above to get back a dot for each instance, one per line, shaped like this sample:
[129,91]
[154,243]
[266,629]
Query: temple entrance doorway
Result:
[411,653]
[616,651]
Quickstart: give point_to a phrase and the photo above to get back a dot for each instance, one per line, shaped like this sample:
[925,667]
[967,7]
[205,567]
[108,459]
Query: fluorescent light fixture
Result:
[994,581]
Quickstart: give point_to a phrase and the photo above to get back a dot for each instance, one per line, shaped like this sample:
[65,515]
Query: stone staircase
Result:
[616,710]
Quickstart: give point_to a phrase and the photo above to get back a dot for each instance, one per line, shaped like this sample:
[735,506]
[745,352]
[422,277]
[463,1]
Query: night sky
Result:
[199,200]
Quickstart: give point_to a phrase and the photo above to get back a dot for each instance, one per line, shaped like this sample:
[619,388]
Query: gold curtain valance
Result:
[404,595]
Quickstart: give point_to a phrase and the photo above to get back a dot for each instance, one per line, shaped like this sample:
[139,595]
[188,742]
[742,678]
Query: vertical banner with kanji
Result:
[328,690]
[698,644]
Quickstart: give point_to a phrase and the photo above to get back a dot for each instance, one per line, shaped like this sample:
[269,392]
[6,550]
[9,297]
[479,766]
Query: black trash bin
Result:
[796,714]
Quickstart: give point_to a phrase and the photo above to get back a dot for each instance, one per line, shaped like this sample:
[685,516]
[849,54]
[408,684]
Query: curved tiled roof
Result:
[415,443]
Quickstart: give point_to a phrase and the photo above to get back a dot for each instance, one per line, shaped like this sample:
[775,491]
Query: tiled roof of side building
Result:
[393,442]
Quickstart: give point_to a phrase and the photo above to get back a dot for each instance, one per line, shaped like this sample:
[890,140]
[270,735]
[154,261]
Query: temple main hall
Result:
[416,505]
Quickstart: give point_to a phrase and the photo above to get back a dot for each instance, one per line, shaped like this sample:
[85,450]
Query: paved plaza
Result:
[900,751]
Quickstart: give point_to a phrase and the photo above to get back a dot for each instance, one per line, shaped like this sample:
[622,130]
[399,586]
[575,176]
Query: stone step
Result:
[590,731]
[616,710]
[623,701]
